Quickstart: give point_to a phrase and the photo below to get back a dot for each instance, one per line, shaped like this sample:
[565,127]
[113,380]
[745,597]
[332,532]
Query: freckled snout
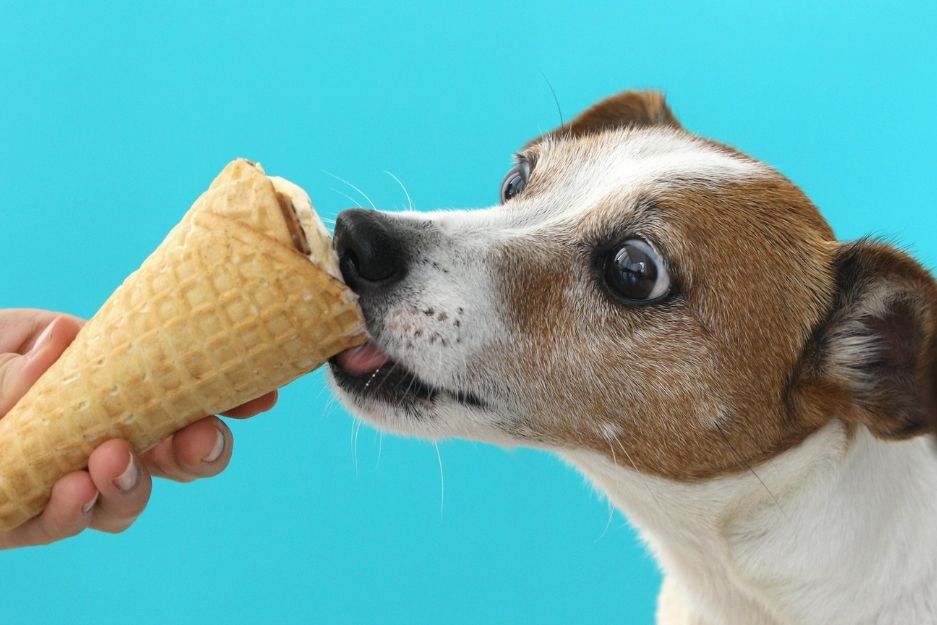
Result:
[371,250]
[425,291]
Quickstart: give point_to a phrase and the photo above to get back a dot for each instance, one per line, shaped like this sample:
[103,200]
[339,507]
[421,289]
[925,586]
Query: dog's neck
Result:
[841,529]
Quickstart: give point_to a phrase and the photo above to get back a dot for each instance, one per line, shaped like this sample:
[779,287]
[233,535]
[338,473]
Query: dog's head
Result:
[641,292]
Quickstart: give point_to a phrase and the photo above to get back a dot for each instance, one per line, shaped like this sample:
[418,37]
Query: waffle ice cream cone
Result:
[243,296]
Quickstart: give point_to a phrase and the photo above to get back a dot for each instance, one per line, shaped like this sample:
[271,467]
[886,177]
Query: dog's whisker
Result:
[464,364]
[322,390]
[441,359]
[641,476]
[608,504]
[329,406]
[405,192]
[386,376]
[751,470]
[354,442]
[608,523]
[330,403]
[363,194]
[380,447]
[407,391]
[556,100]
[359,423]
[353,201]
[442,481]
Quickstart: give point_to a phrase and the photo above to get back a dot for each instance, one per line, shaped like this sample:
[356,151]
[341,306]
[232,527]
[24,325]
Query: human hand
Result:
[112,492]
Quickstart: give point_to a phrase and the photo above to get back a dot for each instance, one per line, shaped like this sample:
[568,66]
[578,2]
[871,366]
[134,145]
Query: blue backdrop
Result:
[114,116]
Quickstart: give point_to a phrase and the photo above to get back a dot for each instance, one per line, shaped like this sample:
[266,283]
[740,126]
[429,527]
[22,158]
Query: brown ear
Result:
[628,109]
[879,343]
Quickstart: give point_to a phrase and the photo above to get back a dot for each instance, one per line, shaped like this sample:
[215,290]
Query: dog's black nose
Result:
[370,254]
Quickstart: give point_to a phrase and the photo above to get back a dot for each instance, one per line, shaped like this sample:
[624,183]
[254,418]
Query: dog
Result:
[676,320]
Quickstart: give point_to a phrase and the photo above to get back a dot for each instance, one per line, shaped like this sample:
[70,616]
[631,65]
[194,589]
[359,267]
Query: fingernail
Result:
[41,342]
[215,452]
[128,479]
[85,509]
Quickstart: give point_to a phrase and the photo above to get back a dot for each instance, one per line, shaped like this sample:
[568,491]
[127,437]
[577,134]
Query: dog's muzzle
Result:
[375,252]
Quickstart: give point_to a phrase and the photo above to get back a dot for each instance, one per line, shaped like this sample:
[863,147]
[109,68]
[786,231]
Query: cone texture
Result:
[225,310]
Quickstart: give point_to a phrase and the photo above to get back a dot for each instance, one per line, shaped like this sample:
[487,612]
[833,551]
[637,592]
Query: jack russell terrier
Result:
[675,319]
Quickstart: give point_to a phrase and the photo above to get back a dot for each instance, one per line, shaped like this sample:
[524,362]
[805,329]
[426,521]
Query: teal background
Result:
[115,116]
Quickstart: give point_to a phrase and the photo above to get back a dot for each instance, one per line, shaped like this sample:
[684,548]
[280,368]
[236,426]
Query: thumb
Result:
[18,372]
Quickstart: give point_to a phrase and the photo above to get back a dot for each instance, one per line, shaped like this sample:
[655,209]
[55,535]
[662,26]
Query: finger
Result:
[19,327]
[124,484]
[202,449]
[19,372]
[253,407]
[67,513]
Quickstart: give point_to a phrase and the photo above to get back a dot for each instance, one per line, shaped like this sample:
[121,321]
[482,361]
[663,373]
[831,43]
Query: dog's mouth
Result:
[369,372]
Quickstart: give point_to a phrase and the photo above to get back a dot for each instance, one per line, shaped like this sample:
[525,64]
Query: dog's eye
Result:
[636,273]
[515,181]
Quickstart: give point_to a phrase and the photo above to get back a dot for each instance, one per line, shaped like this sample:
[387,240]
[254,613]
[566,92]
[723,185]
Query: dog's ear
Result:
[628,109]
[878,347]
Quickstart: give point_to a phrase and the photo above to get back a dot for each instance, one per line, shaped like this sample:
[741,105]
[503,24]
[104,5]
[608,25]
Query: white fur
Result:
[585,173]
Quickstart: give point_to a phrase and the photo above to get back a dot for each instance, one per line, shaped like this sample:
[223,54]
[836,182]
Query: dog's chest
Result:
[803,539]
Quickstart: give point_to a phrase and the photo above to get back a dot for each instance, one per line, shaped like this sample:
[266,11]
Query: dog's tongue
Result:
[363,359]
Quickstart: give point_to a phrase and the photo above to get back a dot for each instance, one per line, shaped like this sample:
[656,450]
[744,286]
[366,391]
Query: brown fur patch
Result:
[695,387]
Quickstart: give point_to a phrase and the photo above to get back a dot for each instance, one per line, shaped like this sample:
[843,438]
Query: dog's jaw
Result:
[443,416]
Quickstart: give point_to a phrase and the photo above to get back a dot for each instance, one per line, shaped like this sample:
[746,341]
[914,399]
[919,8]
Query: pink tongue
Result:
[362,359]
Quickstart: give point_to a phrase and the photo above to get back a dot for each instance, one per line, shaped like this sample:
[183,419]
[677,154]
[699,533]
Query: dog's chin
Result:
[388,394]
